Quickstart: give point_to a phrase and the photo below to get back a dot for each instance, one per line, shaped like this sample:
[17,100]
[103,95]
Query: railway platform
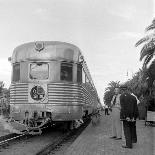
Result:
[95,140]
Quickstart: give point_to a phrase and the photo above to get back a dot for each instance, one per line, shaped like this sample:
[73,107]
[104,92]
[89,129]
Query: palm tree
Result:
[1,88]
[109,91]
[148,49]
[139,82]
[112,85]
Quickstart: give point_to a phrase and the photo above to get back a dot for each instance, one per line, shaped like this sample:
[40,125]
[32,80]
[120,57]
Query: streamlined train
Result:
[50,83]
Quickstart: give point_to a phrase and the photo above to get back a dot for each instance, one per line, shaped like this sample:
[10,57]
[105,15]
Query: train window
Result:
[87,80]
[39,71]
[83,76]
[79,73]
[16,72]
[66,72]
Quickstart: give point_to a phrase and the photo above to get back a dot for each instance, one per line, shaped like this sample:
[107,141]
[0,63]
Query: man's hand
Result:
[128,119]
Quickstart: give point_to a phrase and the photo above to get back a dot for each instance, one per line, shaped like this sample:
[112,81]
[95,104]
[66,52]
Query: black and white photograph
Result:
[77,77]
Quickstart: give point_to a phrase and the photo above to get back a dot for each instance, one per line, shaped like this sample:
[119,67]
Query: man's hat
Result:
[123,87]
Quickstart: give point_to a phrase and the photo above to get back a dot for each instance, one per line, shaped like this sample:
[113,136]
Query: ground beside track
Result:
[95,140]
[30,146]
[3,131]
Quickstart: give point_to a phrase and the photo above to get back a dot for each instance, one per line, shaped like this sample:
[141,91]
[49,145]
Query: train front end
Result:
[45,86]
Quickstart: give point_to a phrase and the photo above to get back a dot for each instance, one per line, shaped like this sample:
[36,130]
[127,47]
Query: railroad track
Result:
[44,144]
[12,137]
[71,135]
[5,140]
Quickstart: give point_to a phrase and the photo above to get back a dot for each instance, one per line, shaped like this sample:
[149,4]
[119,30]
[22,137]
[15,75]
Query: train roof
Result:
[49,50]
[46,50]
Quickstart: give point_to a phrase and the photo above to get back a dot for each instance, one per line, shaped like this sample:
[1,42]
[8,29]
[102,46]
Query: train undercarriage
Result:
[35,123]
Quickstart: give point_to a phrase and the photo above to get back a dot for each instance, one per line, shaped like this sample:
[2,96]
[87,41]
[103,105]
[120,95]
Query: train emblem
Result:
[38,93]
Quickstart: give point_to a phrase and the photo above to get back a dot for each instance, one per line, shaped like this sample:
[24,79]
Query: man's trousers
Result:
[130,132]
[106,111]
[116,123]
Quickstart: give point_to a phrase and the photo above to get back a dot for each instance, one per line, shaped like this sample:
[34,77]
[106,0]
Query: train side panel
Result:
[65,101]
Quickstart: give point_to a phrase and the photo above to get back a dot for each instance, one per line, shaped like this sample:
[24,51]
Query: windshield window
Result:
[66,72]
[16,72]
[39,71]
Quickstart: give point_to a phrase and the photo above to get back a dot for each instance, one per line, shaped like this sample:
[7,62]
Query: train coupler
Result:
[36,131]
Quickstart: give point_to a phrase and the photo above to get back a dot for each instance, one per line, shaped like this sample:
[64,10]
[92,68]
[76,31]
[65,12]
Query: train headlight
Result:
[26,114]
[14,108]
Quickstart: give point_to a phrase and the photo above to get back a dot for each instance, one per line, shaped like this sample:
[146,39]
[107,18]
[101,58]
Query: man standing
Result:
[128,114]
[116,123]
[106,110]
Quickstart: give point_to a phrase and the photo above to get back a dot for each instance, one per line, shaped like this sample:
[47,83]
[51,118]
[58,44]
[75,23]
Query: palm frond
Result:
[150,45]
[114,83]
[142,40]
[148,48]
[152,64]
[145,53]
[152,26]
[147,60]
[143,49]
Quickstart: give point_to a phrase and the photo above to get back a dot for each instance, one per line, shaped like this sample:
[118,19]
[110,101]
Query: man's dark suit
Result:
[129,113]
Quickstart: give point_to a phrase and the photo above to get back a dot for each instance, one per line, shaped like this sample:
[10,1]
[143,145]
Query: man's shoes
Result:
[113,137]
[124,146]
[118,138]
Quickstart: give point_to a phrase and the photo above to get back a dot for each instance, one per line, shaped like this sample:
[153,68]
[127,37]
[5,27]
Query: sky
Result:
[105,31]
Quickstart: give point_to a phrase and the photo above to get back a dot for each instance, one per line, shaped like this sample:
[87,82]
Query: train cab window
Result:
[79,73]
[66,73]
[83,77]
[39,71]
[87,80]
[16,72]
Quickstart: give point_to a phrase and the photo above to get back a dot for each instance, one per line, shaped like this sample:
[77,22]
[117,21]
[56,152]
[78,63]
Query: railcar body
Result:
[50,83]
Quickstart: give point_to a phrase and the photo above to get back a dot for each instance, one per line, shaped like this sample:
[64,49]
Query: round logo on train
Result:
[37,93]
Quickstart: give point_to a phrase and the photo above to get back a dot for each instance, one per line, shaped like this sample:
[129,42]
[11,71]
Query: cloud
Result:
[123,35]
[42,13]
[122,10]
[127,14]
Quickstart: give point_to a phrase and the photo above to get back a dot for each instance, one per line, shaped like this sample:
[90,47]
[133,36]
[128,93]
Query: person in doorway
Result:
[106,110]
[116,123]
[128,114]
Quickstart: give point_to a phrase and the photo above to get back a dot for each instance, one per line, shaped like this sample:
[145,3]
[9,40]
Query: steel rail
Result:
[9,139]
[2,142]
[57,142]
